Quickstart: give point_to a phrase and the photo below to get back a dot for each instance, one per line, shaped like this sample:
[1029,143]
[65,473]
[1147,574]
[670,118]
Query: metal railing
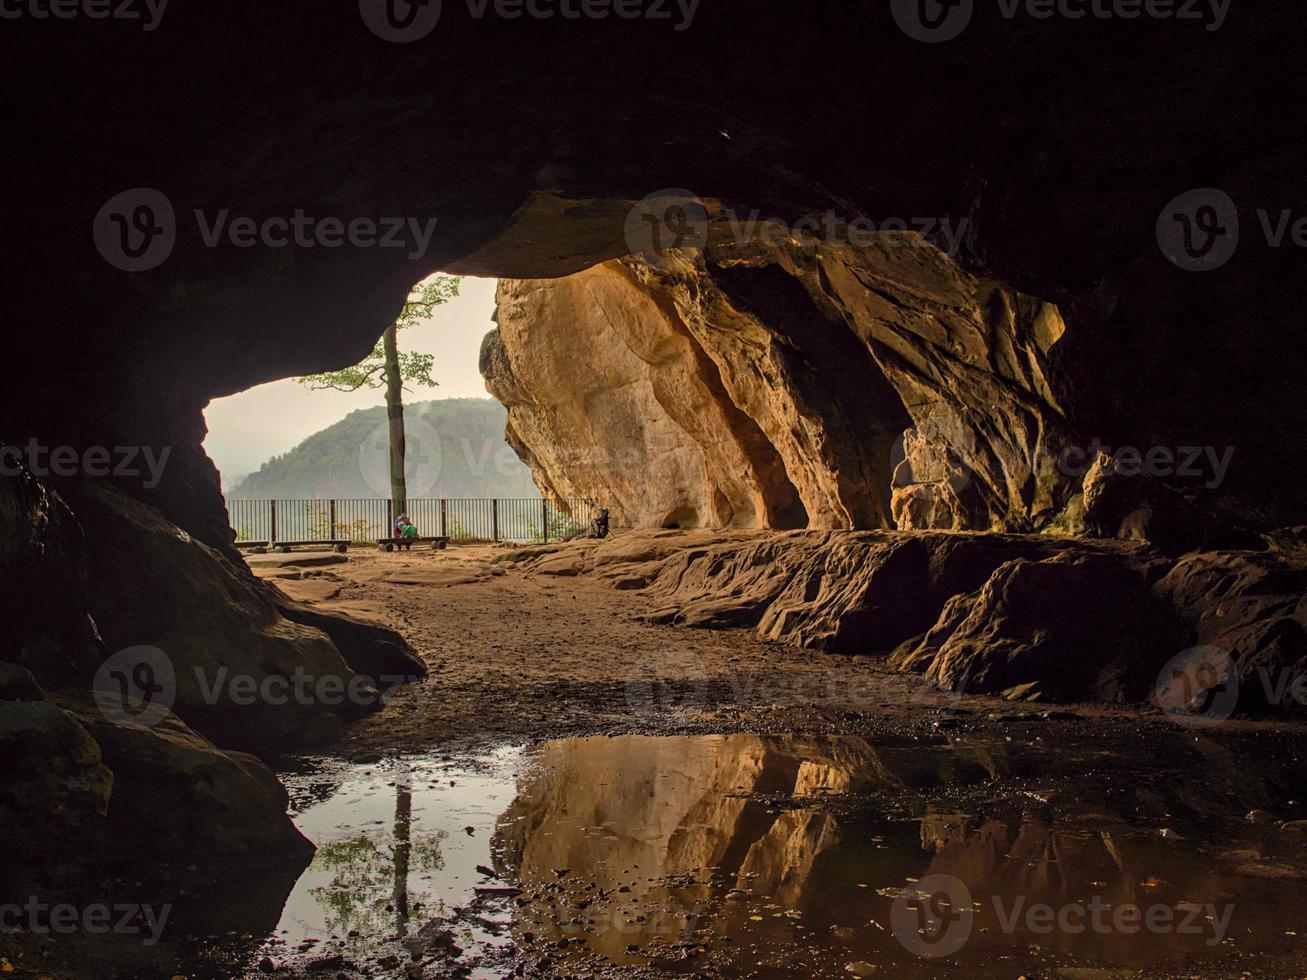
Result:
[370,519]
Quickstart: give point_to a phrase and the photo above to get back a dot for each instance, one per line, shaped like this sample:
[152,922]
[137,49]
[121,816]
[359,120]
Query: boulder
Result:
[55,793]
[174,788]
[1252,606]
[215,625]
[1073,627]
[1135,506]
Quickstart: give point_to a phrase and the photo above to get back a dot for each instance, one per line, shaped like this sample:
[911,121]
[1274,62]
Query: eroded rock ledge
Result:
[1033,617]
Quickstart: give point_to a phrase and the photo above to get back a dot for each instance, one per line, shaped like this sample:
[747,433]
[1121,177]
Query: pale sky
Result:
[246,429]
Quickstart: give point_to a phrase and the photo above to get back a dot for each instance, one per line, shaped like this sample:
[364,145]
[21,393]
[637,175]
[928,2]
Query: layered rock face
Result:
[880,385]
[1034,617]
[625,406]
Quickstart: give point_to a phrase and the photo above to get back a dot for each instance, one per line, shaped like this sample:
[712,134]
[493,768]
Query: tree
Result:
[389,367]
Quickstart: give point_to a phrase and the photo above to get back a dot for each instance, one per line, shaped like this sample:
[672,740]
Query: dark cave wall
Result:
[1058,142]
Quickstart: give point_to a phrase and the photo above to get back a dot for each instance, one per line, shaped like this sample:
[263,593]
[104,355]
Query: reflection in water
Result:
[402,849]
[783,856]
[368,886]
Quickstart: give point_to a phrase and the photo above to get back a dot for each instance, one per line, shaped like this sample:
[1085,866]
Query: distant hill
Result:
[349,458]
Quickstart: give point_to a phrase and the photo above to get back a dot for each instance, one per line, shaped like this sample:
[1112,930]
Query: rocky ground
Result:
[526,645]
[668,633]
[520,654]
[647,632]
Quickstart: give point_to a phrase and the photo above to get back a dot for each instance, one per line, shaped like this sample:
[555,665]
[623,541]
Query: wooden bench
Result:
[258,547]
[338,545]
[390,544]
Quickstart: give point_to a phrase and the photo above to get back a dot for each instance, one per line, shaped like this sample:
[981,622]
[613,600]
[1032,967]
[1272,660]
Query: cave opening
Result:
[857,639]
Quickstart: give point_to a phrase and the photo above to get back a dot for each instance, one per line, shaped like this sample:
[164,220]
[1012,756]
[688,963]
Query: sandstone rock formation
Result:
[78,778]
[1031,617]
[880,385]
[224,632]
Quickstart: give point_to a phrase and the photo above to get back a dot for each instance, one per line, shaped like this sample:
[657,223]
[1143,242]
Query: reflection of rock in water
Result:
[632,811]
[790,844]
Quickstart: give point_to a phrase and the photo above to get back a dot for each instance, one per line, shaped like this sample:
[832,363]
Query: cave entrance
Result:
[307,458]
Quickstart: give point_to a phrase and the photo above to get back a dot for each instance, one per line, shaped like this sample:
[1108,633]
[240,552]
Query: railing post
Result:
[494,517]
[272,530]
[390,519]
[333,519]
[444,519]
[544,519]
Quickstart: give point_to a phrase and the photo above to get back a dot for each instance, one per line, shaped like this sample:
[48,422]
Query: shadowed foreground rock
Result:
[86,785]
[223,631]
[82,790]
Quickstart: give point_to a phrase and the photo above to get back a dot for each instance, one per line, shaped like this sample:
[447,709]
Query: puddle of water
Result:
[801,856]
[400,874]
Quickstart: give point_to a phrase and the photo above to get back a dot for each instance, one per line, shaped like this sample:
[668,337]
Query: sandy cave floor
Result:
[518,656]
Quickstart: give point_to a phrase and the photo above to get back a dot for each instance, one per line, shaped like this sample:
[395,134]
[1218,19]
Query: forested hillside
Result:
[348,459]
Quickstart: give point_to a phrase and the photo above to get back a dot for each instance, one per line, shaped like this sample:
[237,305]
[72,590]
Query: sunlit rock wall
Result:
[878,386]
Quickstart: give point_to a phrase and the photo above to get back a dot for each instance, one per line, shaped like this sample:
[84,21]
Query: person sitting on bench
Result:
[405,531]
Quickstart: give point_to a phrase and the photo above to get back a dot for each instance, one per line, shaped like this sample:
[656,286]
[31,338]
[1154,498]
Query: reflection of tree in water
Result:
[369,885]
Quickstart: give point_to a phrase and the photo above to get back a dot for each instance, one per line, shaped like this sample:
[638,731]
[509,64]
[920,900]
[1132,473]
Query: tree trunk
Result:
[403,852]
[395,413]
